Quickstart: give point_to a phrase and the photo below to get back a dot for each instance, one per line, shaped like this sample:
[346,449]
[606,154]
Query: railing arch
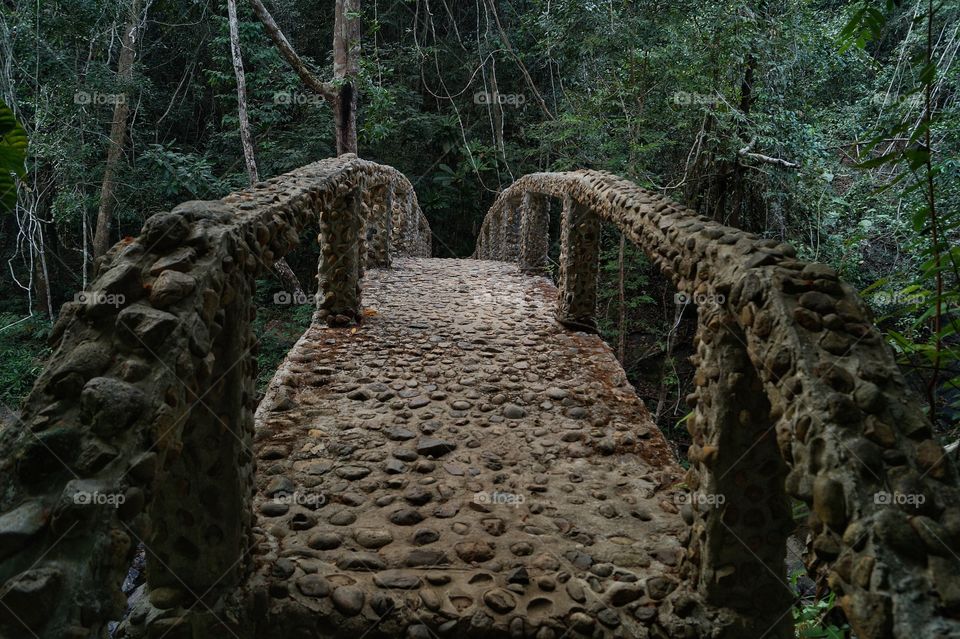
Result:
[797,394]
[139,428]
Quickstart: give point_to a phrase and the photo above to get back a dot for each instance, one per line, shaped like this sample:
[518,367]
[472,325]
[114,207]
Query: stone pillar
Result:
[483,245]
[737,503]
[379,225]
[534,233]
[511,231]
[496,236]
[341,229]
[579,266]
[201,512]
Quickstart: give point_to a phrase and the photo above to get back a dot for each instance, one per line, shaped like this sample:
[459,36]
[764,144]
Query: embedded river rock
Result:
[462,465]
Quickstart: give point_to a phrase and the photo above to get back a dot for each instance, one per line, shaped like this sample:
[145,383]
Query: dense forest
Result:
[833,125]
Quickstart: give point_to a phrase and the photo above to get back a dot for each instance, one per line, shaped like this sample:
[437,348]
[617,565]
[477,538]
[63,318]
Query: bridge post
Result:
[341,227]
[483,243]
[496,237]
[511,231]
[379,225]
[534,233]
[579,266]
[201,512]
[740,516]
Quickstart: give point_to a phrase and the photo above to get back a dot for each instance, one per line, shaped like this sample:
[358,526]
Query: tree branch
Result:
[747,152]
[324,89]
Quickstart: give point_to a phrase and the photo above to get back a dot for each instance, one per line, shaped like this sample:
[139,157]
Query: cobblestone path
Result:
[460,465]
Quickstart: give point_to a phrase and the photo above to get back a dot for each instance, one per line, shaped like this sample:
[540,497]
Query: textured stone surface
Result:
[140,427]
[479,539]
[557,491]
[796,394]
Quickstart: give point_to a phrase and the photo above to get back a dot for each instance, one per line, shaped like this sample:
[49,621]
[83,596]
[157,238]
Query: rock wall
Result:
[139,428]
[797,394]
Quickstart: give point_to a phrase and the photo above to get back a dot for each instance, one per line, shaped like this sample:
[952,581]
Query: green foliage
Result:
[900,149]
[277,328]
[808,617]
[23,350]
[13,153]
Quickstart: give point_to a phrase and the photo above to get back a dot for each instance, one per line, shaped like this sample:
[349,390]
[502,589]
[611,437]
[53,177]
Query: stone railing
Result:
[139,428]
[797,395]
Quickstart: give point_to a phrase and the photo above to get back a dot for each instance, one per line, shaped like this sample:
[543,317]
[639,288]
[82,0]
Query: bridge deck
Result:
[460,465]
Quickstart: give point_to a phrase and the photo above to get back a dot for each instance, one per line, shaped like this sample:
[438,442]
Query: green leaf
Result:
[13,155]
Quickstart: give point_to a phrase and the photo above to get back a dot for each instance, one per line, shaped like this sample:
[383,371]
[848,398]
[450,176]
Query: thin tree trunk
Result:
[245,137]
[118,132]
[286,275]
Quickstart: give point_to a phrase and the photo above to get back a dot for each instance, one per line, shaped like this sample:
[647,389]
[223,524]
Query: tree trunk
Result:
[346,57]
[245,137]
[118,132]
[286,275]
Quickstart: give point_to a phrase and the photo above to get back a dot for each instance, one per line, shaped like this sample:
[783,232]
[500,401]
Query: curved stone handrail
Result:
[797,394]
[139,428]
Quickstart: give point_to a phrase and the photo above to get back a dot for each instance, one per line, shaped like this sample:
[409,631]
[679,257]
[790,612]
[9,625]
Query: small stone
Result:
[324,541]
[622,593]
[518,576]
[373,537]
[474,551]
[581,622]
[361,561]
[342,518]
[313,586]
[417,495]
[406,517]
[430,447]
[424,536]
[660,586]
[425,557]
[352,472]
[19,525]
[500,600]
[396,579]
[398,433]
[165,598]
[512,411]
[608,618]
[274,508]
[348,600]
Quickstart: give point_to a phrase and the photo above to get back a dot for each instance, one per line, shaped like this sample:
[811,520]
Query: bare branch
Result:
[324,89]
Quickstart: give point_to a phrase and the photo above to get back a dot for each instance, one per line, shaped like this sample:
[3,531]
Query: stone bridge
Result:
[457,453]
